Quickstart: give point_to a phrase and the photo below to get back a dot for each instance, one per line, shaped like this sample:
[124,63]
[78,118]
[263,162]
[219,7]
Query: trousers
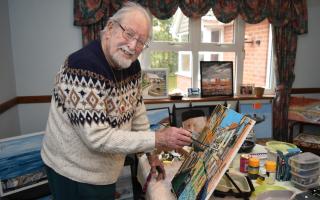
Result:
[63,188]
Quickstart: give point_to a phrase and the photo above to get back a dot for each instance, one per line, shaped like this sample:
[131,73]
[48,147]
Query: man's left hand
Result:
[156,166]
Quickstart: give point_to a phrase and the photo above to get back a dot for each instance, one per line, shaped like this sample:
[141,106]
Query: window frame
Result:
[195,46]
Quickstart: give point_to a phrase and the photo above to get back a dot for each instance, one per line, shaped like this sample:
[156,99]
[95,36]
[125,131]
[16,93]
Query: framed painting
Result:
[21,166]
[158,118]
[154,83]
[216,78]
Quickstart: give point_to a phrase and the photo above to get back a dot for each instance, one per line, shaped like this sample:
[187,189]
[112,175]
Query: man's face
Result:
[121,51]
[196,125]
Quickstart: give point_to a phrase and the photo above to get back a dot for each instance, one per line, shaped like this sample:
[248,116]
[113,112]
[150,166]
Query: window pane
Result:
[178,79]
[213,31]
[258,54]
[175,29]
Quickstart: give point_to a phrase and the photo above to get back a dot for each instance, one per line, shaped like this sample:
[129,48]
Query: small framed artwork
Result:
[246,89]
[216,78]
[159,118]
[155,83]
[193,92]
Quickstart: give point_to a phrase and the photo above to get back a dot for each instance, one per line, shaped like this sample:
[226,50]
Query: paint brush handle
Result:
[192,138]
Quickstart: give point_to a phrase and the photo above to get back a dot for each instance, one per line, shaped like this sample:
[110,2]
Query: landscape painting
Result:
[216,78]
[218,144]
[21,166]
[154,83]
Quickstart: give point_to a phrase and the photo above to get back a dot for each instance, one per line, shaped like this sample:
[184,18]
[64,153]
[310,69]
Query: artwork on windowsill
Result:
[193,92]
[247,89]
[218,144]
[158,118]
[154,83]
[21,166]
[216,78]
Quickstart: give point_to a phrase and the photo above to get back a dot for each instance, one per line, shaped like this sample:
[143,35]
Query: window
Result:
[180,43]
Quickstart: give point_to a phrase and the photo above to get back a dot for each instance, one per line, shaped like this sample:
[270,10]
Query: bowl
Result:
[176,97]
[275,195]
[246,146]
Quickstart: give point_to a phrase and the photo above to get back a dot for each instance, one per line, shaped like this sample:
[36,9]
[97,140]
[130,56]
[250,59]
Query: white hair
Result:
[127,8]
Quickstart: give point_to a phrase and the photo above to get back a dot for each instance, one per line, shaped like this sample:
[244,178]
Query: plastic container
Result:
[305,161]
[274,146]
[304,187]
[305,172]
[270,166]
[305,180]
[225,184]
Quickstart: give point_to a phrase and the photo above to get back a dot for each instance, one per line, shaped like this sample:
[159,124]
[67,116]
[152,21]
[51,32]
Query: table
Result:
[161,190]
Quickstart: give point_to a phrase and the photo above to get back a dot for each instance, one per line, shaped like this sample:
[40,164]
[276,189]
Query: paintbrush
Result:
[192,138]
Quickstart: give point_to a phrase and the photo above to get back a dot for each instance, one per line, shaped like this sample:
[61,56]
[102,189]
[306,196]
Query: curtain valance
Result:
[278,12]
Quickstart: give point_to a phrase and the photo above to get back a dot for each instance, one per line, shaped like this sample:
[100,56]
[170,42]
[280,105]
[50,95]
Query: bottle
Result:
[253,168]
[271,171]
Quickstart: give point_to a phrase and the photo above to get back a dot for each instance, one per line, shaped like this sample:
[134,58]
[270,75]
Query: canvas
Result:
[155,83]
[202,170]
[21,166]
[304,109]
[216,78]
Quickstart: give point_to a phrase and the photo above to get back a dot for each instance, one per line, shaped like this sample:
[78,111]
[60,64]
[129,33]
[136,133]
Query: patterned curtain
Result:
[288,22]
[288,17]
[285,46]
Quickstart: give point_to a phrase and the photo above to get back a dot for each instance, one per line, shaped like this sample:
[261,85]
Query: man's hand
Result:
[173,138]
[156,166]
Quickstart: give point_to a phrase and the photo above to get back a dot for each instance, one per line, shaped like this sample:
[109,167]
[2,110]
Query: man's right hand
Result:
[173,138]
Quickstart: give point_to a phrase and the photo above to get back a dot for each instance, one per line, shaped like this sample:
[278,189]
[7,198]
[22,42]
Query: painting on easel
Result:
[202,170]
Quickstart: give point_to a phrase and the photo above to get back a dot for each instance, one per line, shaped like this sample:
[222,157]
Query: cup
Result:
[258,91]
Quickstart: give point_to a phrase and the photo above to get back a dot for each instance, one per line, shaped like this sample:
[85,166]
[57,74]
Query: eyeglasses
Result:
[130,35]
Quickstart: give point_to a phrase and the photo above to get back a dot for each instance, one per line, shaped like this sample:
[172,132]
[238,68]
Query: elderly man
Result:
[97,114]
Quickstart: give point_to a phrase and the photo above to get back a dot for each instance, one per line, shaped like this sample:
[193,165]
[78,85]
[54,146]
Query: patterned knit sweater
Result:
[96,117]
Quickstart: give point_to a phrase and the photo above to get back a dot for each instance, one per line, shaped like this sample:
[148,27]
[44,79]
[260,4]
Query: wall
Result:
[7,78]
[307,66]
[255,61]
[42,34]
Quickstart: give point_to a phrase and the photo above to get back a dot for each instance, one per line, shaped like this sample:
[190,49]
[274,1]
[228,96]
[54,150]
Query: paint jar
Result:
[253,168]
[270,166]
[244,160]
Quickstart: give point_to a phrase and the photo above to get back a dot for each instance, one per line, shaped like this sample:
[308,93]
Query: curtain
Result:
[285,46]
[288,17]
[92,15]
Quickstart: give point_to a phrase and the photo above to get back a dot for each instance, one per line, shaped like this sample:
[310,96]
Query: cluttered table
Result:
[162,189]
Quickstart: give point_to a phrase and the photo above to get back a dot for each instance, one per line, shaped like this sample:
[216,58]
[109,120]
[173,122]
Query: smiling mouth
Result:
[126,53]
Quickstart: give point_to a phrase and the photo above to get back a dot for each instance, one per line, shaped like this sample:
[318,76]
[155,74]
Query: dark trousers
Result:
[63,188]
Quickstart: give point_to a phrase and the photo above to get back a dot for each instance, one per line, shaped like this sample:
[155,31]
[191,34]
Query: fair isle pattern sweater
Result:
[96,117]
